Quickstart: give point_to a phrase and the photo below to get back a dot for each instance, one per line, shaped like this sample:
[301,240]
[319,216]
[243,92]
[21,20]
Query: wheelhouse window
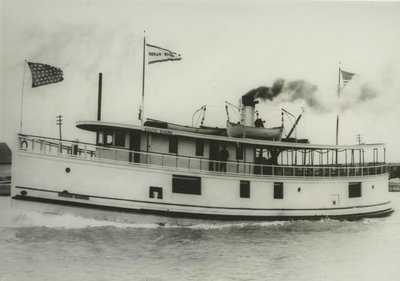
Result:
[199,147]
[108,136]
[244,189]
[354,189]
[173,144]
[119,137]
[278,190]
[100,137]
[186,184]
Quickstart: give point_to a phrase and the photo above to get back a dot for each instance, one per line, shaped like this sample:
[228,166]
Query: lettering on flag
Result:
[44,74]
[157,54]
[346,76]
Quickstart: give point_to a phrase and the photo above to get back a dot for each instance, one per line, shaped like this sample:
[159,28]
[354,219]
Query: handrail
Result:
[188,163]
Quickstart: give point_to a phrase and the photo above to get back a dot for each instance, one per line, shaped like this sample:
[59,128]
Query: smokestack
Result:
[263,93]
[99,97]
[248,108]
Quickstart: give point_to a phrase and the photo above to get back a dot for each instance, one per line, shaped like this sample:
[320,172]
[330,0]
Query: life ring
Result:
[24,144]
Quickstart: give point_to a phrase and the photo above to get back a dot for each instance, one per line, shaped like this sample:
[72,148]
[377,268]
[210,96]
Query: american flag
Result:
[346,76]
[43,74]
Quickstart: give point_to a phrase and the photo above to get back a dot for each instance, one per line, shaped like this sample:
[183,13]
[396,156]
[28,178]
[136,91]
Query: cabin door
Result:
[134,144]
[214,151]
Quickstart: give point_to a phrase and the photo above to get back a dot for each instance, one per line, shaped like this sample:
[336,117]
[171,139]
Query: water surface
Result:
[65,243]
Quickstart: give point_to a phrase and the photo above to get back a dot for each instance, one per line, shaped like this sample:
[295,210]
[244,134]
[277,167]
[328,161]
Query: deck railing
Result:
[92,152]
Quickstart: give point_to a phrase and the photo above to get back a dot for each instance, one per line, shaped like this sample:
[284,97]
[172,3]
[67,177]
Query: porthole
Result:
[299,189]
[68,169]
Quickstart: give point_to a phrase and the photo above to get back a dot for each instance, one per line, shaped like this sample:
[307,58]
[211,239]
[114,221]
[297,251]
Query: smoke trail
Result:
[354,94]
[302,90]
[288,91]
[357,93]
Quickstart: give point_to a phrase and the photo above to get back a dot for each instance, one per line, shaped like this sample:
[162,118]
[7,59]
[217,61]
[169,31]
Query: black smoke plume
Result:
[302,90]
[288,91]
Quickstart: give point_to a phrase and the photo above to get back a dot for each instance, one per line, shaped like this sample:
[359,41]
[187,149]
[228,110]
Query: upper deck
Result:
[95,126]
[199,153]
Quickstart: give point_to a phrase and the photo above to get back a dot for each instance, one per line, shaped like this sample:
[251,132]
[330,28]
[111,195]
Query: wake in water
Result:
[18,215]
[78,218]
[18,219]
[71,221]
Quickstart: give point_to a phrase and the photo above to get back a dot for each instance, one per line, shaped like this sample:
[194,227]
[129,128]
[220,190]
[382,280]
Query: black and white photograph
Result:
[199,140]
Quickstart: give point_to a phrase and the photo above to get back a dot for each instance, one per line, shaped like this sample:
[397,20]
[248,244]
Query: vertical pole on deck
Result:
[59,123]
[337,116]
[99,97]
[143,80]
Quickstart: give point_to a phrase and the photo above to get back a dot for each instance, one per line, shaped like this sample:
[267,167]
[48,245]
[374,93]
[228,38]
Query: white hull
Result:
[41,177]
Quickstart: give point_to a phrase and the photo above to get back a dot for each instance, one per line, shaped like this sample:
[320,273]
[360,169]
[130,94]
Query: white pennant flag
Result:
[157,54]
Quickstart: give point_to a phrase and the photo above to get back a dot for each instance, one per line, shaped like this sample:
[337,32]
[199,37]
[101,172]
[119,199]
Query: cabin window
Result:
[199,147]
[119,138]
[239,151]
[186,184]
[100,137]
[155,192]
[173,144]
[108,136]
[354,189]
[244,189]
[278,190]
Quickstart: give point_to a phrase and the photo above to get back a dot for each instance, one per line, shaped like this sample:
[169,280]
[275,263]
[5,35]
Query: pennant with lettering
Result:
[157,54]
[44,74]
[346,76]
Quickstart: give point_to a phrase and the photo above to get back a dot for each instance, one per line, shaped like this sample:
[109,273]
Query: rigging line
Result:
[198,116]
[201,114]
[290,120]
[194,114]
[197,121]
[287,112]
[237,108]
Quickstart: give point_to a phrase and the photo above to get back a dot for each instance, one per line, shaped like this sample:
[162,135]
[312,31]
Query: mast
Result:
[143,79]
[99,96]
[337,117]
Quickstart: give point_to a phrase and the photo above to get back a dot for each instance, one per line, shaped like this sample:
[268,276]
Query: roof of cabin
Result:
[95,126]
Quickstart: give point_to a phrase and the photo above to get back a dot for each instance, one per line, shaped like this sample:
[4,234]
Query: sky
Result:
[227,50]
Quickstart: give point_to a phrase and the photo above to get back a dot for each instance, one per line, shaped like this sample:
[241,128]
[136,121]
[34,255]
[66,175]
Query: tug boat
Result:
[173,170]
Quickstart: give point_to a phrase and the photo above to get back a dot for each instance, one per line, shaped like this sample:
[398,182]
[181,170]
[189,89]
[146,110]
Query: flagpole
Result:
[143,80]
[337,116]
[22,97]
